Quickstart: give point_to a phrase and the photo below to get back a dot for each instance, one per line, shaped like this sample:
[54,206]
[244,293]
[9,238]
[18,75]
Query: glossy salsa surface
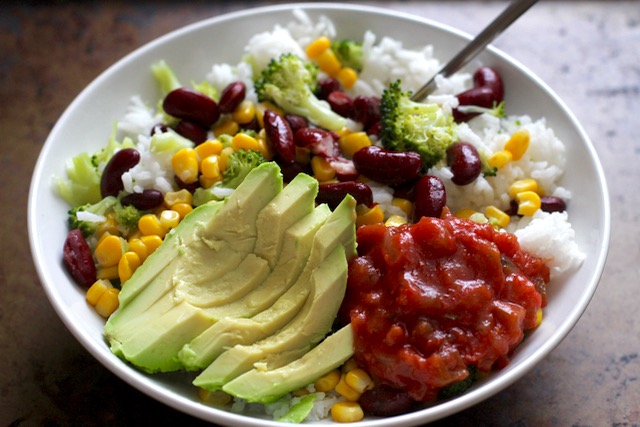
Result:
[428,300]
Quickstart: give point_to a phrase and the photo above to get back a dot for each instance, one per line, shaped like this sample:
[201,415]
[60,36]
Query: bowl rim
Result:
[440,410]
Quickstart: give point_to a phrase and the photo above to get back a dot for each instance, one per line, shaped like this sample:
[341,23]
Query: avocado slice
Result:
[311,324]
[265,386]
[337,230]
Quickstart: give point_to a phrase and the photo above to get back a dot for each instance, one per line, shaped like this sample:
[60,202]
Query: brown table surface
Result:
[587,51]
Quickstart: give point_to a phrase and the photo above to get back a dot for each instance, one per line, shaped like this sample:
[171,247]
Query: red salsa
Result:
[428,300]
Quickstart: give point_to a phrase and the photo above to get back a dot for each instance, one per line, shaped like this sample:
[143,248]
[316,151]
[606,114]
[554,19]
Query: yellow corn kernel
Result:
[352,142]
[151,242]
[300,392]
[527,184]
[349,365]
[518,144]
[108,302]
[208,148]
[244,113]
[528,202]
[328,381]
[183,209]
[261,107]
[185,165]
[149,225]
[501,218]
[328,62]
[347,412]
[110,225]
[368,216]
[303,155]
[211,168]
[217,397]
[224,157]
[107,273]
[226,127]
[137,245]
[316,47]
[129,262]
[395,220]
[96,290]
[108,251]
[169,219]
[358,379]
[538,317]
[499,159]
[207,182]
[346,390]
[347,77]
[173,197]
[404,204]
[243,141]
[465,213]
[321,168]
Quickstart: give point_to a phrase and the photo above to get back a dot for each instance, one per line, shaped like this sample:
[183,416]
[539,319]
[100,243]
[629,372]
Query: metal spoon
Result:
[506,18]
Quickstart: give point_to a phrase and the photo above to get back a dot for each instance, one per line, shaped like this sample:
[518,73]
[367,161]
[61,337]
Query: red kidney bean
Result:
[552,204]
[333,193]
[488,91]
[291,170]
[386,166]
[326,86]
[296,122]
[148,199]
[188,104]
[159,128]
[385,401]
[488,77]
[77,258]
[375,129]
[111,179]
[341,103]
[280,136]
[366,110]
[232,95]
[430,198]
[319,141]
[192,131]
[464,161]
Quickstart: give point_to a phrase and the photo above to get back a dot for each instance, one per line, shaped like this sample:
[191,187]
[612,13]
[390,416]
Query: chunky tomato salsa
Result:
[429,300]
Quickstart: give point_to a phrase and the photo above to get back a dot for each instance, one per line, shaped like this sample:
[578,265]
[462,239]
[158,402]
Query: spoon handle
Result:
[475,46]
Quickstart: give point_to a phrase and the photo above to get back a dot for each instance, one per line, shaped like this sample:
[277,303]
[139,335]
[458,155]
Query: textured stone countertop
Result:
[587,51]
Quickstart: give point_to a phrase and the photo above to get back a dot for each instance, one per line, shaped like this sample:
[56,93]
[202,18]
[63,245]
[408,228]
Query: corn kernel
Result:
[149,225]
[169,219]
[110,225]
[109,251]
[152,242]
[208,148]
[518,143]
[224,158]
[244,113]
[107,273]
[349,365]
[185,165]
[316,47]
[207,182]
[137,245]
[211,168]
[300,392]
[217,397]
[528,202]
[346,391]
[368,216]
[347,77]
[264,147]
[395,220]
[328,62]
[358,379]
[243,141]
[328,381]
[128,264]
[347,412]
[539,316]
[181,196]
[321,168]
[108,302]
[352,142]
[499,159]
[465,213]
[527,184]
[498,216]
[183,209]
[404,204]
[226,127]
[96,290]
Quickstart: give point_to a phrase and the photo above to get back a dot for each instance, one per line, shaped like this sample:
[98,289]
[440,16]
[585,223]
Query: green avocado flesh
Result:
[251,283]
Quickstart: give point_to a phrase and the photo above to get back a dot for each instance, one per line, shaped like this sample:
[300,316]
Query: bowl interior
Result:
[191,51]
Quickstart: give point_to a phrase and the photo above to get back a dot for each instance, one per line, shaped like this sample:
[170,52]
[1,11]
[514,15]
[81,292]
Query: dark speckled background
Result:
[587,51]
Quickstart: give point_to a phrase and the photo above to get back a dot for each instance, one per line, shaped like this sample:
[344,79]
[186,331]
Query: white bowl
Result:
[191,51]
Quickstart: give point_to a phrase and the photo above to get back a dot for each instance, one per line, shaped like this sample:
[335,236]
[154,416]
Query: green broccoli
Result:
[291,82]
[165,77]
[127,216]
[82,185]
[98,209]
[349,53]
[102,156]
[412,126]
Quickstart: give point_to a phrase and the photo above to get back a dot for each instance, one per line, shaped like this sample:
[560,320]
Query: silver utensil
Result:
[475,46]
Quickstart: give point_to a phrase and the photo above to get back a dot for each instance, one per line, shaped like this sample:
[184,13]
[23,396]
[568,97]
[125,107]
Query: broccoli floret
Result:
[102,156]
[349,53]
[127,216]
[82,185]
[165,77]
[239,164]
[413,126]
[290,82]
[95,211]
